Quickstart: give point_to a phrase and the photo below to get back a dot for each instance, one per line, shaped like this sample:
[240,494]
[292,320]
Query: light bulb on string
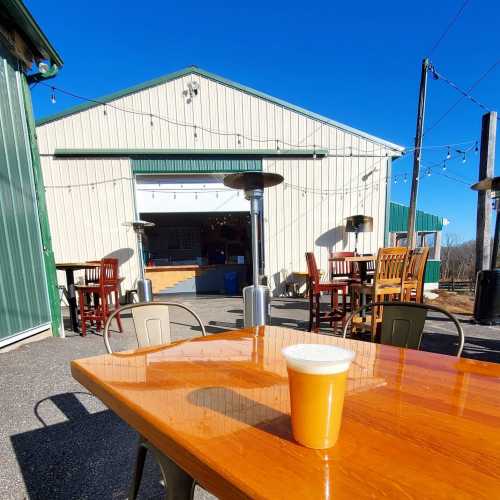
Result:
[239,139]
[444,166]
[151,120]
[464,158]
[448,155]
[53,96]
[195,133]
[405,179]
[429,172]
[104,111]
[476,148]
[395,180]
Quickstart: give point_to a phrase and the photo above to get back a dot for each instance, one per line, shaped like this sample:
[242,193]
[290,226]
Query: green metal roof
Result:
[257,153]
[198,71]
[194,165]
[26,24]
[398,220]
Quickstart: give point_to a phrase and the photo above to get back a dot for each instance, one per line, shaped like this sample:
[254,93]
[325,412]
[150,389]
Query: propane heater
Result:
[256,297]
[487,300]
[358,224]
[144,286]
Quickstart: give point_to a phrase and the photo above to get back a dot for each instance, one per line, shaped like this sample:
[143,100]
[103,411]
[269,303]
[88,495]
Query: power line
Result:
[465,94]
[460,99]
[448,28]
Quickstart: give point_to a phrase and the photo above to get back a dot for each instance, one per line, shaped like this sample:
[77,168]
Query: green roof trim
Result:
[195,165]
[243,88]
[25,22]
[398,220]
[230,153]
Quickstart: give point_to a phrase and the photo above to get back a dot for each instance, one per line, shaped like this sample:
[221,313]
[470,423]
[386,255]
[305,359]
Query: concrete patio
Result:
[59,442]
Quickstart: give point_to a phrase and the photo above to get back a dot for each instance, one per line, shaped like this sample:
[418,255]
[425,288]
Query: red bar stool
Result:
[95,298]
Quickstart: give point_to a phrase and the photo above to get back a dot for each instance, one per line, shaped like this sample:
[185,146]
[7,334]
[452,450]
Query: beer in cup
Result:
[317,376]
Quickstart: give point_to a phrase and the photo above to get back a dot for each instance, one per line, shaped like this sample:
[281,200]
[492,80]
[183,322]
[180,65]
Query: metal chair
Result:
[152,327]
[403,323]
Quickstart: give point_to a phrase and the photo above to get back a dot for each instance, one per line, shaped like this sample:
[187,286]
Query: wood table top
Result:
[354,258]
[75,266]
[415,424]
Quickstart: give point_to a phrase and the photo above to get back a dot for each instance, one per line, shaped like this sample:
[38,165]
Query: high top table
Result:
[70,268]
[216,410]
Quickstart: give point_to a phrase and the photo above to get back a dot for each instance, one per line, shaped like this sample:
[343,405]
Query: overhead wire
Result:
[445,32]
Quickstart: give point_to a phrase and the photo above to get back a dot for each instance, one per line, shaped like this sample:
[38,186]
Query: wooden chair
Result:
[152,327]
[316,287]
[413,287]
[95,298]
[390,270]
[403,323]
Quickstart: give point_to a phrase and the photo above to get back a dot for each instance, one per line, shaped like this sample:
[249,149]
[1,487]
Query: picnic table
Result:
[70,268]
[217,410]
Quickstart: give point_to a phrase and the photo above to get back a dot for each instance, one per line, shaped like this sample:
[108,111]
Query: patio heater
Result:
[256,297]
[358,224]
[144,286]
[487,300]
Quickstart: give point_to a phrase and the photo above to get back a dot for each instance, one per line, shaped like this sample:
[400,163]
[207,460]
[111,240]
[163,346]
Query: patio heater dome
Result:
[358,224]
[256,297]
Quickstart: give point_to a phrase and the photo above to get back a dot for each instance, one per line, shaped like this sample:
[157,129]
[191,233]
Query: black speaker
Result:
[487,303]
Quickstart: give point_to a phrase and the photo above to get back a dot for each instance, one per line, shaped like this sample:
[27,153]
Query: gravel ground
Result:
[57,441]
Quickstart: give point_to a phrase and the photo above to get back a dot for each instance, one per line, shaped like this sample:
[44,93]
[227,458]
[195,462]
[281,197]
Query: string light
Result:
[53,95]
[444,166]
[195,133]
[429,172]
[350,150]
[405,178]
[448,156]
[104,112]
[476,148]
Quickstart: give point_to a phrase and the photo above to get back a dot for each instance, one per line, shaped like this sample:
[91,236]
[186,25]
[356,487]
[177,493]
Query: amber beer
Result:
[317,376]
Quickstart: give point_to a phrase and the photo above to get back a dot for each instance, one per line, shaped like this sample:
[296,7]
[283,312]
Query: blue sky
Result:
[358,63]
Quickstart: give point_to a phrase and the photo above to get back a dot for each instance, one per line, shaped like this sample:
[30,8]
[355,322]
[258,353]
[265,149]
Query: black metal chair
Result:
[403,323]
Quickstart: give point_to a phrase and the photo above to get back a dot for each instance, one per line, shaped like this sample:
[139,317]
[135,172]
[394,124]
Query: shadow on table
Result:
[238,407]
[90,455]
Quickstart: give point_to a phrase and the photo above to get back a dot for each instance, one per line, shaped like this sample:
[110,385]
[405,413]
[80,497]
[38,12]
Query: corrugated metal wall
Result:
[298,217]
[398,222]
[88,202]
[23,289]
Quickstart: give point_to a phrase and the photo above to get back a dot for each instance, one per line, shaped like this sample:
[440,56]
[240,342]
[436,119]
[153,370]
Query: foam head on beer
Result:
[317,375]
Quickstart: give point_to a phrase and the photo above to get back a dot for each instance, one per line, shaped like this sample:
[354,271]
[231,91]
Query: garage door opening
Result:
[208,252]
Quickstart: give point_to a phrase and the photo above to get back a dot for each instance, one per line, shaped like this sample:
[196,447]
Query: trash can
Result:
[231,283]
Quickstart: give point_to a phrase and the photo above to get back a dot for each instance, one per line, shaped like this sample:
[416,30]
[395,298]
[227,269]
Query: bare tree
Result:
[457,259]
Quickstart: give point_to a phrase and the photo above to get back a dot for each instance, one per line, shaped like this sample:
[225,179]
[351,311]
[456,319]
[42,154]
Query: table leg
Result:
[73,307]
[180,485]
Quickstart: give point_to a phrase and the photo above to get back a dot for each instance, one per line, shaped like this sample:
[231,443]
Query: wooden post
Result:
[486,167]
[417,155]
[437,246]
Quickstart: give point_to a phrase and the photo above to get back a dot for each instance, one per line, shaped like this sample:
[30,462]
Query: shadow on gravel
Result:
[90,455]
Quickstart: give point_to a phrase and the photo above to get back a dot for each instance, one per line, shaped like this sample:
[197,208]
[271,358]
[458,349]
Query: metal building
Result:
[160,150]
[29,301]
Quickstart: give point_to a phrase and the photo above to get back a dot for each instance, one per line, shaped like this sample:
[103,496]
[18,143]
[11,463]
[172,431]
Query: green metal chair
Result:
[403,323]
[152,327]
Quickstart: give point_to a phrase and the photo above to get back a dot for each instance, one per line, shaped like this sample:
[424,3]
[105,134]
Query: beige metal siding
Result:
[294,221]
[88,200]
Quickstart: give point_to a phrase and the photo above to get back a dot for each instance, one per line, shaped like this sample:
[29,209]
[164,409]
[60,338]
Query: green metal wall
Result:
[194,165]
[24,301]
[432,271]
[398,220]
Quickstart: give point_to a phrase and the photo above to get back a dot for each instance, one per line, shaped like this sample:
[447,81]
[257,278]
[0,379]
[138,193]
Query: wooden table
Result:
[415,425]
[70,268]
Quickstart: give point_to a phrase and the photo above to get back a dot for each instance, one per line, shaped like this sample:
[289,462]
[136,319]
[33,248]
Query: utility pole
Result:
[486,168]
[417,154]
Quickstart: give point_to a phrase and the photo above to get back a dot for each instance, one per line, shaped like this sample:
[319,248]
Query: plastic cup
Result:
[317,377]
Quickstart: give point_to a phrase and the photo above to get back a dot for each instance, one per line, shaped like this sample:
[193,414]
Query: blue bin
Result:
[231,283]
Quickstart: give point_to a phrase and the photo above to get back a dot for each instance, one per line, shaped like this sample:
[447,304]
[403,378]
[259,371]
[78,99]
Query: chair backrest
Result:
[403,323]
[391,265]
[108,272]
[151,322]
[312,268]
[416,263]
[92,274]
[340,268]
